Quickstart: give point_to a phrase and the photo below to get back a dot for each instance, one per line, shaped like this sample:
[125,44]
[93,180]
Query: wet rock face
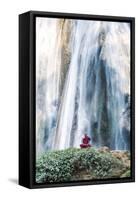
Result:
[126,137]
[41,94]
[102,37]
[65,26]
[125,122]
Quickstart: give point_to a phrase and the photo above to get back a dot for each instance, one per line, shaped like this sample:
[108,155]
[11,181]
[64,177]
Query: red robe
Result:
[85,142]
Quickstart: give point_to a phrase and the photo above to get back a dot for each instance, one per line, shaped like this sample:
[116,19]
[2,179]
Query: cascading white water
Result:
[96,89]
[48,75]
[76,82]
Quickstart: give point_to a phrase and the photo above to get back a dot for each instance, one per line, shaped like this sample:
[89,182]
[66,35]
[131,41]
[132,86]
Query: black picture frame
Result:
[27,97]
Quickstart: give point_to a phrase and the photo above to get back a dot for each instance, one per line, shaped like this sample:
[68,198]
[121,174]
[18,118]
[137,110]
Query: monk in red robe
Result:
[85,141]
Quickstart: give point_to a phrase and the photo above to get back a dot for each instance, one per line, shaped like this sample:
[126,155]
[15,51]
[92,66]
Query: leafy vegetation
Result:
[78,164]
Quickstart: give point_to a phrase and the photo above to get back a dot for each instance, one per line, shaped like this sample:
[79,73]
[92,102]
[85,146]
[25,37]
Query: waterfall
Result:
[96,89]
[48,72]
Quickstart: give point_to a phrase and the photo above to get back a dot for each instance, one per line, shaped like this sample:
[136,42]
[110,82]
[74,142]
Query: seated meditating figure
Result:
[85,141]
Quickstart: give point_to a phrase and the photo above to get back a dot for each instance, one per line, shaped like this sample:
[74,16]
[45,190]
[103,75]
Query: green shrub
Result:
[68,164]
[126,174]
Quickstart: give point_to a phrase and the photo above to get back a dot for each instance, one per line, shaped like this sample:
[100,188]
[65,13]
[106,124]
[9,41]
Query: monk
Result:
[85,141]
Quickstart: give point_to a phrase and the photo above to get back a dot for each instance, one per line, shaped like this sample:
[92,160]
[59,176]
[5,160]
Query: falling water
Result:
[96,92]
[48,71]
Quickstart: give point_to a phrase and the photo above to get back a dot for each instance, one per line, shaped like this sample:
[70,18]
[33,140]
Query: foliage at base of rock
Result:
[79,164]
